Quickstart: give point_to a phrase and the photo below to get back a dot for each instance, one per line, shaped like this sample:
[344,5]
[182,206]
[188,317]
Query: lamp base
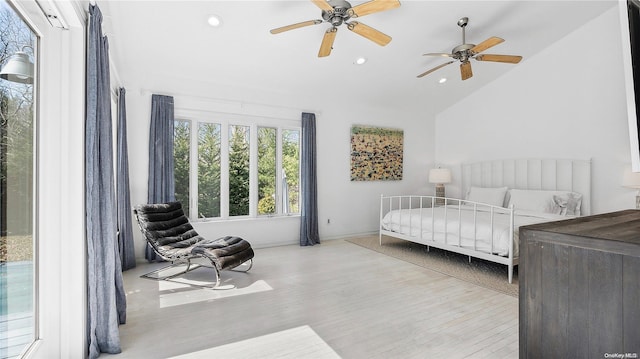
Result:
[440,193]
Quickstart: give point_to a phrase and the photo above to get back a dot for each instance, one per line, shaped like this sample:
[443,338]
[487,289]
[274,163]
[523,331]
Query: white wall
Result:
[352,207]
[566,102]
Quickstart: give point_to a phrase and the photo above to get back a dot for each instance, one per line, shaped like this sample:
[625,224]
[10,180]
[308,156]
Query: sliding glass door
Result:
[17,178]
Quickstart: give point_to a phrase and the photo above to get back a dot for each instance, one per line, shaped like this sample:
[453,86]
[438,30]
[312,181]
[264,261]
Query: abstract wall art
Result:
[376,153]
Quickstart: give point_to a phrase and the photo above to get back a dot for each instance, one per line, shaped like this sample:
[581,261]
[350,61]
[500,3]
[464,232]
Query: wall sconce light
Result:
[19,68]
[440,176]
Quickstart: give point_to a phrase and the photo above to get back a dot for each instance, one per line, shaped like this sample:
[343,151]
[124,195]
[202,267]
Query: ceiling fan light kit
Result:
[466,52]
[338,12]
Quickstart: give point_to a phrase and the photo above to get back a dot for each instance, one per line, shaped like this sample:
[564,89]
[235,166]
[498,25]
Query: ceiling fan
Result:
[338,12]
[465,52]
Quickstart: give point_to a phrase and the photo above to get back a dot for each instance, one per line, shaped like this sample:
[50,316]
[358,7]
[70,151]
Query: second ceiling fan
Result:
[466,52]
[338,12]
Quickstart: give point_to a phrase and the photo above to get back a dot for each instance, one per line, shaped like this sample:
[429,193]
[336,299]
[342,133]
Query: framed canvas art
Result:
[376,153]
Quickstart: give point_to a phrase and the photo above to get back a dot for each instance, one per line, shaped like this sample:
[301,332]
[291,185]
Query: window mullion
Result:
[193,169]
[279,167]
[253,170]
[224,173]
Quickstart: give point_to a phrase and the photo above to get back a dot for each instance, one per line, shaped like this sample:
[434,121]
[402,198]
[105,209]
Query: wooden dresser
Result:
[580,287]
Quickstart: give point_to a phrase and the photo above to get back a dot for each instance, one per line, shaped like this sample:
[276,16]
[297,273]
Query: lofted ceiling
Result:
[167,46]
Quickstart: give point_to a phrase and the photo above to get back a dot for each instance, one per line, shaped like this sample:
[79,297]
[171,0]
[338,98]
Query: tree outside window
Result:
[275,165]
[238,170]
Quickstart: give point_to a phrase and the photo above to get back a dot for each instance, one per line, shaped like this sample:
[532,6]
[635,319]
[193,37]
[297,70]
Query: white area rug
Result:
[479,272]
[295,343]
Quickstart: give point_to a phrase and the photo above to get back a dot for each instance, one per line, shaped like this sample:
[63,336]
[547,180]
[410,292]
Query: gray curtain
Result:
[125,231]
[161,181]
[308,182]
[105,292]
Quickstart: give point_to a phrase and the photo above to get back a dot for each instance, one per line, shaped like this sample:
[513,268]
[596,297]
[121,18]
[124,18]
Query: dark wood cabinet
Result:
[580,287]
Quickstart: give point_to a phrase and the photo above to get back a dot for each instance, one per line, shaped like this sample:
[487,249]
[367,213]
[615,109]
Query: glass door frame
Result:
[60,291]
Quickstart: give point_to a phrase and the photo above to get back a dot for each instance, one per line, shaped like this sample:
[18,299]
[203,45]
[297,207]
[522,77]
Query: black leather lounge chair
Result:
[168,231]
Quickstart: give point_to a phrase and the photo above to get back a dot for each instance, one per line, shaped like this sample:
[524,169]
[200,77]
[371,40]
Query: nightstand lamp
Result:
[440,176]
[632,180]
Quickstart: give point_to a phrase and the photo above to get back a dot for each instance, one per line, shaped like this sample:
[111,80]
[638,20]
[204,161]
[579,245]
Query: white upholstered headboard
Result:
[539,174]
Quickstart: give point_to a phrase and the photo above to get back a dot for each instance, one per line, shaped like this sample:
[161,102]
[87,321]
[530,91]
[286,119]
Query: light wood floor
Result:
[337,297]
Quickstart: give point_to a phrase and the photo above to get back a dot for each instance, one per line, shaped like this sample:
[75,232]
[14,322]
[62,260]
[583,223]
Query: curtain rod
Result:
[240,103]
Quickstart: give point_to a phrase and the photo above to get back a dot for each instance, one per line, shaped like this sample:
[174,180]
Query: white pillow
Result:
[556,202]
[488,195]
[568,202]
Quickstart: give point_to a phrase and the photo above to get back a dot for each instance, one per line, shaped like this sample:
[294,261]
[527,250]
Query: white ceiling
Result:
[166,45]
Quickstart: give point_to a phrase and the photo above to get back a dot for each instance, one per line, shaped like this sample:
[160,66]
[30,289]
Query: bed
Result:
[499,197]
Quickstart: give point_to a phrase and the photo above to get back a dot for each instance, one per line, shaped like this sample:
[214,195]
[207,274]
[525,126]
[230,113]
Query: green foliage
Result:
[267,205]
[266,170]
[291,165]
[209,170]
[239,171]
[181,138]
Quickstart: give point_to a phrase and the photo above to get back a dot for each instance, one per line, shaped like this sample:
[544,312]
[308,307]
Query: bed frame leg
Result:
[510,273]
[428,249]
[469,259]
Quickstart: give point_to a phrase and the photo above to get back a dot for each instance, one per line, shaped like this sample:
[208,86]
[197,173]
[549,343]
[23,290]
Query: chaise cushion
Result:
[226,252]
[165,224]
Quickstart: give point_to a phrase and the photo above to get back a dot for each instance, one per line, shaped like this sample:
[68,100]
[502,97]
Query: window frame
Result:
[225,120]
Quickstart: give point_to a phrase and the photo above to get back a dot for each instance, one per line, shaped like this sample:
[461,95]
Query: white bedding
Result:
[408,222]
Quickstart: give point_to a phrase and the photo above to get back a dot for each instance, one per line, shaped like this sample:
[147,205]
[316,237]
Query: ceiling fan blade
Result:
[490,42]
[465,70]
[434,69]
[296,26]
[438,54]
[510,59]
[373,6]
[327,42]
[369,32]
[323,4]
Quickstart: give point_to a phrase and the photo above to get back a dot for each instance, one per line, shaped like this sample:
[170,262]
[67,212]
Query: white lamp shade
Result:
[439,175]
[18,69]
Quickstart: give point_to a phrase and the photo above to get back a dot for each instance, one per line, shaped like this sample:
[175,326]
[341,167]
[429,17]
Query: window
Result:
[238,170]
[209,168]
[181,139]
[267,170]
[242,170]
[17,197]
[291,169]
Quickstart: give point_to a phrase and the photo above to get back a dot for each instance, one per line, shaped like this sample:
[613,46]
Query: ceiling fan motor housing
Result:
[339,14]
[463,52]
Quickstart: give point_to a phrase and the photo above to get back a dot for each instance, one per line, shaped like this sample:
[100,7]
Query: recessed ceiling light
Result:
[360,61]
[214,20]
[442,80]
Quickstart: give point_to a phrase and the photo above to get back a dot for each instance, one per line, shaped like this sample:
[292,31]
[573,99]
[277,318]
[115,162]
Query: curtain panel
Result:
[161,187]
[105,291]
[125,230]
[308,182]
